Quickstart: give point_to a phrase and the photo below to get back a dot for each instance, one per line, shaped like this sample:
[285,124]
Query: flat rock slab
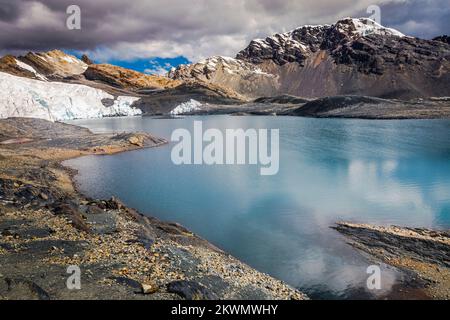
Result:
[422,254]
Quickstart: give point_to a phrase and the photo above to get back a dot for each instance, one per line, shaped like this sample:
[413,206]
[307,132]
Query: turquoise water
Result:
[382,172]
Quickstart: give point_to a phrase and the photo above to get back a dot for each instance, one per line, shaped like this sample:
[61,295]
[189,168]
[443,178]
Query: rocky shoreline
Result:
[350,107]
[46,226]
[422,255]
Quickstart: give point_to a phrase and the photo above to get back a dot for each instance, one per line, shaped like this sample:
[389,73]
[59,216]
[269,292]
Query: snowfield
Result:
[366,26]
[56,101]
[189,106]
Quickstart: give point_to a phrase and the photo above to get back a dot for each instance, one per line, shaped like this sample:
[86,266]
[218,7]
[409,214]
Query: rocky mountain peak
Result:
[351,56]
[206,68]
[362,27]
[230,74]
[298,44]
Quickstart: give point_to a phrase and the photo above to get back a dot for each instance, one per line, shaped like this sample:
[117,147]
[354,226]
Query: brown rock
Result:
[149,288]
[136,140]
[86,59]
[126,78]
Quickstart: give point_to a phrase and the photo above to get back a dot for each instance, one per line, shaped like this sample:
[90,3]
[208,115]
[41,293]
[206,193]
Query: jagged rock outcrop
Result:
[126,78]
[86,59]
[299,44]
[282,99]
[351,57]
[245,79]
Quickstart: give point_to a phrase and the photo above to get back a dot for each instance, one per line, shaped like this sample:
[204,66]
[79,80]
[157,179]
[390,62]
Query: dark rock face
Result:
[24,289]
[86,59]
[444,38]
[423,247]
[284,48]
[108,102]
[328,104]
[369,53]
[190,290]
[376,54]
[283,99]
[353,56]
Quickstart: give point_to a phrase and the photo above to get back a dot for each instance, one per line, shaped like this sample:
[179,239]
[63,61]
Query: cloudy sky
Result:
[155,34]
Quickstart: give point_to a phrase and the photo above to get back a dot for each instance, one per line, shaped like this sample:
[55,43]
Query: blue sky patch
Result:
[154,65]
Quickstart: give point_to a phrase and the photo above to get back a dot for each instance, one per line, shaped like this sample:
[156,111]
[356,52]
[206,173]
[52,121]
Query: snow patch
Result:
[189,106]
[56,101]
[27,67]
[366,26]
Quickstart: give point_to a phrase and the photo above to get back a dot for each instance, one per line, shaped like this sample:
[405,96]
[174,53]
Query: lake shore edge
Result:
[123,254]
[46,225]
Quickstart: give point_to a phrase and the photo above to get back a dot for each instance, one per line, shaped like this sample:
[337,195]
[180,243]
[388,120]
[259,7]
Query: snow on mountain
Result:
[230,74]
[364,27]
[210,66]
[54,64]
[351,56]
[189,106]
[27,67]
[298,44]
[55,101]
[64,61]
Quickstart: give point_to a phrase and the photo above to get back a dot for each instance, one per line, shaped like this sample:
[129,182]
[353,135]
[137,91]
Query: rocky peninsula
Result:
[422,255]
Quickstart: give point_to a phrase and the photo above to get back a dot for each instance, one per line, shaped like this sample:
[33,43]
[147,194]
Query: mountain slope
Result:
[54,64]
[154,94]
[127,79]
[51,65]
[241,77]
[351,57]
[14,66]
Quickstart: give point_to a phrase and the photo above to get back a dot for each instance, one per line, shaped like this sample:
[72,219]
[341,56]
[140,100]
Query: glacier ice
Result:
[189,106]
[57,101]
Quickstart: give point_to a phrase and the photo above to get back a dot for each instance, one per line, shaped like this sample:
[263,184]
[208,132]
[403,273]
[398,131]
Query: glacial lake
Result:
[371,171]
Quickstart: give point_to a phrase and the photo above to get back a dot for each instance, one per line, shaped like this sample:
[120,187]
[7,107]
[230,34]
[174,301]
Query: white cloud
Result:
[38,15]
